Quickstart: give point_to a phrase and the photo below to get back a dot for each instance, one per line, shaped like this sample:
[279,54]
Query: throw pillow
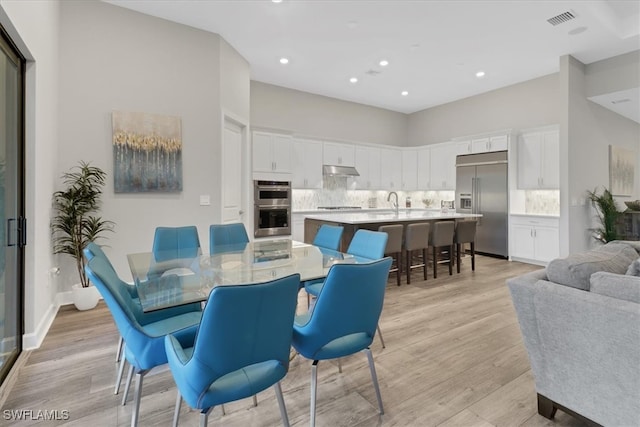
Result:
[634,268]
[617,286]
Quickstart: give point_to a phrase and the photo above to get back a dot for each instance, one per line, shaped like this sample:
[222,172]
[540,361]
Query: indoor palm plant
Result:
[608,215]
[75,223]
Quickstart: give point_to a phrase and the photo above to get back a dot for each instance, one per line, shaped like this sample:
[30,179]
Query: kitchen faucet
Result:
[395,204]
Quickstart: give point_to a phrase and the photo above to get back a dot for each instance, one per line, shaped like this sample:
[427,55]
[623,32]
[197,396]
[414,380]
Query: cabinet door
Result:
[339,154]
[449,165]
[409,170]
[281,153]
[306,164]
[375,173]
[550,162]
[522,241]
[464,147]
[262,158]
[362,166]
[480,145]
[424,169]
[297,227]
[529,159]
[390,164]
[546,243]
[498,143]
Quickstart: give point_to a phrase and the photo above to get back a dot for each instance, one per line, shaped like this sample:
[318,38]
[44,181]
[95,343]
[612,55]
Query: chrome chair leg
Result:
[340,365]
[314,388]
[123,362]
[374,378]
[283,408]
[204,417]
[380,335]
[127,385]
[222,407]
[120,347]
[255,400]
[136,400]
[176,412]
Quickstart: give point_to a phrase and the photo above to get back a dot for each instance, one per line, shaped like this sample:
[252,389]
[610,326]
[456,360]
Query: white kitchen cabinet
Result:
[297,227]
[271,153]
[391,169]
[484,144]
[367,163]
[339,154]
[424,168]
[409,170]
[538,160]
[534,239]
[307,163]
[443,166]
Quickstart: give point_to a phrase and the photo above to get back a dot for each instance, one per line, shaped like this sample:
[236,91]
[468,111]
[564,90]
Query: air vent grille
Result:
[559,19]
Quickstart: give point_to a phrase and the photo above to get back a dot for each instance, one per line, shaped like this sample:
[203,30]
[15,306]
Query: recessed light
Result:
[384,63]
[404,93]
[352,24]
[353,80]
[276,1]
[284,61]
[480,74]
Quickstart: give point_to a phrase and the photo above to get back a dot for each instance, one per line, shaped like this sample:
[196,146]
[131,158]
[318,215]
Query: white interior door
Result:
[232,167]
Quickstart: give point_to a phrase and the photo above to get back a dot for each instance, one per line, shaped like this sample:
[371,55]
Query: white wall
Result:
[281,109]
[116,59]
[34,27]
[520,106]
[614,74]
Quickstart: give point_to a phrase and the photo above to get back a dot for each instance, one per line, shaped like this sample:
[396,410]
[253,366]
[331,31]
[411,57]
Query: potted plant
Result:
[608,215]
[75,224]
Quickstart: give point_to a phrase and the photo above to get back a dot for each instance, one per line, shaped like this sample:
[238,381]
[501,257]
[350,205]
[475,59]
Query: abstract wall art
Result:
[622,165]
[147,153]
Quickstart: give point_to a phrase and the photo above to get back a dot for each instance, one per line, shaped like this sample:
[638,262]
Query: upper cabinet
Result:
[339,154]
[443,166]
[484,144]
[409,170]
[538,160]
[424,168]
[271,154]
[391,169]
[367,163]
[307,163]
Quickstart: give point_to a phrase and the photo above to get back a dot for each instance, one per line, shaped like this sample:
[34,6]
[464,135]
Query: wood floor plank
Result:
[454,357]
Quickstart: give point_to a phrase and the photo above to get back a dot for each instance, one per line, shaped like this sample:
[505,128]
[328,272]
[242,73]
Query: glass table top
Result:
[165,281]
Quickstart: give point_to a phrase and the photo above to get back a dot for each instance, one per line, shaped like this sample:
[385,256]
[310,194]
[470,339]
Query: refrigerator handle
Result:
[478,199]
[473,195]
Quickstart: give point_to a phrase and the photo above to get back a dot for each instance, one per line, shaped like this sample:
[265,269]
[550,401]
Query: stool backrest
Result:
[465,231]
[394,241]
[417,236]
[442,234]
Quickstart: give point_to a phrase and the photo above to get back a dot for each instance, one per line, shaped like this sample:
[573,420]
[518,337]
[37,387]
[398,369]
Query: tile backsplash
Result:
[542,202]
[335,193]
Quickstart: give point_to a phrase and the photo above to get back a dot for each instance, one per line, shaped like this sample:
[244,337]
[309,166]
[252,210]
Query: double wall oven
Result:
[272,208]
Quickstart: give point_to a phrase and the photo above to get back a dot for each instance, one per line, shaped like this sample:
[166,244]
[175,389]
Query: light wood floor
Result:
[454,357]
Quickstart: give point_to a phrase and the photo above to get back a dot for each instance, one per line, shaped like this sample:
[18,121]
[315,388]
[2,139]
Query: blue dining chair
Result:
[344,319]
[226,234]
[144,338]
[170,243]
[241,348]
[329,237]
[92,250]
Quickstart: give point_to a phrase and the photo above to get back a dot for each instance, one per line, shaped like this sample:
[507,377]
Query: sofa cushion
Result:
[634,268]
[576,269]
[617,286]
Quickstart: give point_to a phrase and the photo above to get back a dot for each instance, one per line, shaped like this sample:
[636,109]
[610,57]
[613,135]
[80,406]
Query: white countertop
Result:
[535,215]
[363,210]
[372,217]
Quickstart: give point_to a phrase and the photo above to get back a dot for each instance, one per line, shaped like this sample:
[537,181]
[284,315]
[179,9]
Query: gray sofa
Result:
[580,322]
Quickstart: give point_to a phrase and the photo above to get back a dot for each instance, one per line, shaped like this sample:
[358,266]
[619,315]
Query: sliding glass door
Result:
[12,221]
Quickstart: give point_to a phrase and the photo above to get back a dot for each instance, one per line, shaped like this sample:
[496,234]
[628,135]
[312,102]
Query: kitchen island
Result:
[372,220]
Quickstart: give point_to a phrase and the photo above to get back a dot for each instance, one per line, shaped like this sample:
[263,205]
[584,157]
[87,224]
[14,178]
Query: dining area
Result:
[228,322]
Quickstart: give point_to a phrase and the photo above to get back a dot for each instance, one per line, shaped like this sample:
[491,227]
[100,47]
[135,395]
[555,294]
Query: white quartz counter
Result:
[372,217]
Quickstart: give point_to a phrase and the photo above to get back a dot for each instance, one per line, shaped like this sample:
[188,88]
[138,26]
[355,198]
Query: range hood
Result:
[334,170]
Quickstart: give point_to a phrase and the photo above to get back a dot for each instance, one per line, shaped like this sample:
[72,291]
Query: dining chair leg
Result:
[176,412]
[119,351]
[339,365]
[127,385]
[281,405]
[425,259]
[435,262]
[223,411]
[123,362]
[314,389]
[255,400]
[380,335]
[374,378]
[137,395]
[409,267]
[204,417]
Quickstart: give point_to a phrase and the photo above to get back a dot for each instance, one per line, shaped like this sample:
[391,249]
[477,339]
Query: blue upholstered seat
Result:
[225,235]
[329,236]
[344,319]
[171,243]
[143,333]
[241,348]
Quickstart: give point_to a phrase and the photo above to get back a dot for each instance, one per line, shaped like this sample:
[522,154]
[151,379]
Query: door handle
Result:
[10,242]
[240,212]
[22,230]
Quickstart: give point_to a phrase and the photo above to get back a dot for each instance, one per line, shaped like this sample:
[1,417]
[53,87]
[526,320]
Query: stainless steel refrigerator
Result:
[482,188]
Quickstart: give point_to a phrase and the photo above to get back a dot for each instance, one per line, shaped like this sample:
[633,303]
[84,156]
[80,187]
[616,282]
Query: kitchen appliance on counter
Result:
[272,208]
[482,188]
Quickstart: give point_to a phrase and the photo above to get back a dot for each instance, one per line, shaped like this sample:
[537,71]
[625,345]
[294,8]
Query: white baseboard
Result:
[33,340]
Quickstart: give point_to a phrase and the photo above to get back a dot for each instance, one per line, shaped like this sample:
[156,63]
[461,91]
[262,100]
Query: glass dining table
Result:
[163,281]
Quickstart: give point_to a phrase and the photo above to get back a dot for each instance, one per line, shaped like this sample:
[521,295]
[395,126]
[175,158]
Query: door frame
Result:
[245,156]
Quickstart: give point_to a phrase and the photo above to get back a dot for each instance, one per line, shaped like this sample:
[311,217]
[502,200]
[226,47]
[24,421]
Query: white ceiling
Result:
[434,47]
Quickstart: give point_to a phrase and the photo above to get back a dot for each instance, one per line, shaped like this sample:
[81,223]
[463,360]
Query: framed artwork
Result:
[622,165]
[147,153]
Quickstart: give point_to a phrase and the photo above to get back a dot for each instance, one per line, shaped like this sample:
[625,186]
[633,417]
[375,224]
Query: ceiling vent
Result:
[562,18]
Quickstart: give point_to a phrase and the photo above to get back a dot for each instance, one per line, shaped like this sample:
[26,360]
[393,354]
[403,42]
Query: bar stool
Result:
[416,238]
[442,236]
[465,233]
[394,245]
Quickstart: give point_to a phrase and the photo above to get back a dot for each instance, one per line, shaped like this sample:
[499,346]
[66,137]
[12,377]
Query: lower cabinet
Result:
[534,239]
[297,227]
